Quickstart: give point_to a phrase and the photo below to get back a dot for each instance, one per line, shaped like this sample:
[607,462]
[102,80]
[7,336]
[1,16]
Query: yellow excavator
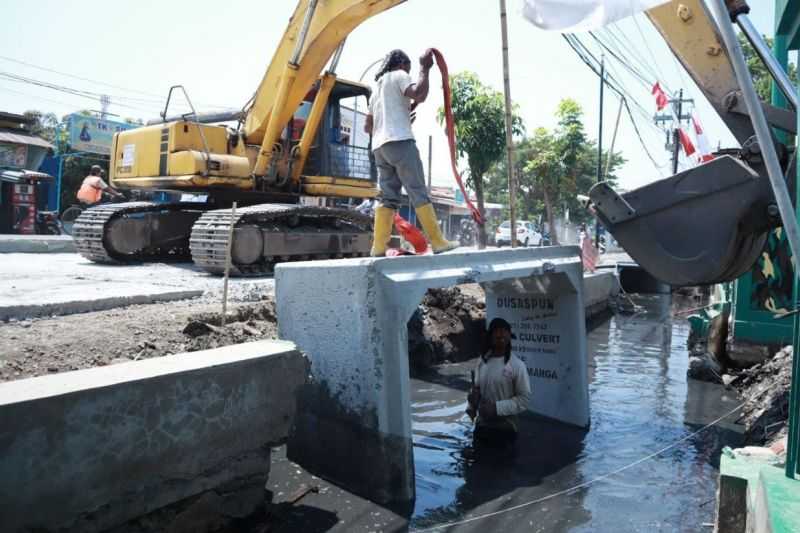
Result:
[275,156]
[705,225]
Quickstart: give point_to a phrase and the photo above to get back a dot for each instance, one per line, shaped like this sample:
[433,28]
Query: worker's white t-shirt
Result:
[506,384]
[391,120]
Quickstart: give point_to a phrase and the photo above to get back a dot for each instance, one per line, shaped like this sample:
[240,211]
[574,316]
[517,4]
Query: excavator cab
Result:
[340,160]
[707,224]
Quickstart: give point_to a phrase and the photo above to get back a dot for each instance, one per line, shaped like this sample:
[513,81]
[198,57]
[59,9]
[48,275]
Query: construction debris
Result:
[765,389]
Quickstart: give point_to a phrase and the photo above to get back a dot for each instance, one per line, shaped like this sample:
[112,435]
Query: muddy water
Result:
[640,403]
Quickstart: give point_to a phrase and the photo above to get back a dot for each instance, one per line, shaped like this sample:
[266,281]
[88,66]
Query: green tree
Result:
[544,170]
[761,76]
[479,113]
[44,125]
[553,168]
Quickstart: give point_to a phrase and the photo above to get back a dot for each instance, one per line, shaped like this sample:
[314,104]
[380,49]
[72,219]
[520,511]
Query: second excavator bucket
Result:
[705,225]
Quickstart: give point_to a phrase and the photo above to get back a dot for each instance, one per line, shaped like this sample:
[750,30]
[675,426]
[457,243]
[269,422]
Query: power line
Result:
[64,89]
[627,49]
[161,98]
[592,61]
[647,47]
[613,86]
[626,64]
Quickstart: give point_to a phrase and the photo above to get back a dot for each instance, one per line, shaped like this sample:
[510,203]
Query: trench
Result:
[641,402]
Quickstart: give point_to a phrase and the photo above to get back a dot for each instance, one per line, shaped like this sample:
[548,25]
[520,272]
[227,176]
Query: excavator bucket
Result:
[705,225]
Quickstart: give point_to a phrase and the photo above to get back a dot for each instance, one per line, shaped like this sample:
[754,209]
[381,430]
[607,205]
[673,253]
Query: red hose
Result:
[450,130]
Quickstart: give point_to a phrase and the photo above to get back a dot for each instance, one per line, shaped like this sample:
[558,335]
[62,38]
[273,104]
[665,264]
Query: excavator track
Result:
[135,231]
[272,233]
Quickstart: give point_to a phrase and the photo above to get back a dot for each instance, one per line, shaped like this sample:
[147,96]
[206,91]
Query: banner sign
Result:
[547,318]
[13,155]
[91,134]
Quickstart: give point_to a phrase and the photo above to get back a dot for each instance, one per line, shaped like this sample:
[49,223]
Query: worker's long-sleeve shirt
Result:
[506,384]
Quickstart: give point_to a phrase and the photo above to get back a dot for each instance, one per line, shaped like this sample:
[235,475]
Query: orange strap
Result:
[450,130]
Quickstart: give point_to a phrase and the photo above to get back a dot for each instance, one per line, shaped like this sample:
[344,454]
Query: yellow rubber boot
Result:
[384,220]
[427,217]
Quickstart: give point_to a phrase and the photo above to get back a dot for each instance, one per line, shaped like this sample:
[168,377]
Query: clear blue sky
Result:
[220,52]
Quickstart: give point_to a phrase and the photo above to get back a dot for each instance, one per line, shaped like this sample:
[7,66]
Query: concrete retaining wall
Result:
[350,318]
[87,450]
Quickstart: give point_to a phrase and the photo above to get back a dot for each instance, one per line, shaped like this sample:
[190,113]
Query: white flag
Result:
[568,16]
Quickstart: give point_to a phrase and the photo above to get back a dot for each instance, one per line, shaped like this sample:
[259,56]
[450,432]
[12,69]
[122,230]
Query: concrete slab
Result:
[350,316]
[104,445]
[43,285]
[36,244]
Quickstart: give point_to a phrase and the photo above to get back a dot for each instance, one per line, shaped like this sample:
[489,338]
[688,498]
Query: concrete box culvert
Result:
[350,316]
[91,449]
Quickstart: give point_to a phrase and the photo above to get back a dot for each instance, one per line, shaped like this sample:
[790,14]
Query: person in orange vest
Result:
[94,186]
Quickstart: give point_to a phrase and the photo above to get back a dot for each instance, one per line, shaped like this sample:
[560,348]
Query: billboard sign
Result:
[13,155]
[91,134]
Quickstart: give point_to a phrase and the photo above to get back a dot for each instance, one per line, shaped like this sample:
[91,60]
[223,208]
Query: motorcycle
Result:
[71,213]
[466,232]
[48,223]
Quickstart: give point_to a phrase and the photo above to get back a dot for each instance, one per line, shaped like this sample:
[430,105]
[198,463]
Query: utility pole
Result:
[105,101]
[599,146]
[512,186]
[676,137]
[676,118]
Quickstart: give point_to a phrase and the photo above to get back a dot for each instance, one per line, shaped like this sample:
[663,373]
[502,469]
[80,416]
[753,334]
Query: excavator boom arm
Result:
[331,22]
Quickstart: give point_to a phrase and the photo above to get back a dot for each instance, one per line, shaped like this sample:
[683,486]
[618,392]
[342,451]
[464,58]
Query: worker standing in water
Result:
[501,388]
[396,154]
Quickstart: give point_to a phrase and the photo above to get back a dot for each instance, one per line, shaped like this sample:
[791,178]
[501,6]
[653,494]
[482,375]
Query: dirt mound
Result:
[74,342]
[205,331]
[765,389]
[448,325]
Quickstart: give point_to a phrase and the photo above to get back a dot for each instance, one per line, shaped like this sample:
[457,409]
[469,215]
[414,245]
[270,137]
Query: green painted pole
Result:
[793,448]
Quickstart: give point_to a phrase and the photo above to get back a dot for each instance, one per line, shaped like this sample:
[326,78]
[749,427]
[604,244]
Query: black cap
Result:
[498,323]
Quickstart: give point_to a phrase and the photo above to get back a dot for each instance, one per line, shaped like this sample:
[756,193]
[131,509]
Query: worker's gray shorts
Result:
[399,166]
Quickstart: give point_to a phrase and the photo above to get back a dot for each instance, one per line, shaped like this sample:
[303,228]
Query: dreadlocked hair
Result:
[393,59]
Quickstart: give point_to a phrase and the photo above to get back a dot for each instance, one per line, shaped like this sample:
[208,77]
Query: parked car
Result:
[527,234]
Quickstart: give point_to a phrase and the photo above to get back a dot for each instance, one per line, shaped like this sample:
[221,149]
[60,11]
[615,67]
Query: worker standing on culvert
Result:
[396,155]
[501,388]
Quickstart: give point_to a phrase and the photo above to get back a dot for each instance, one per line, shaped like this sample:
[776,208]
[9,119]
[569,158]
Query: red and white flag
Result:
[661,97]
[703,147]
[569,16]
[686,142]
[588,254]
